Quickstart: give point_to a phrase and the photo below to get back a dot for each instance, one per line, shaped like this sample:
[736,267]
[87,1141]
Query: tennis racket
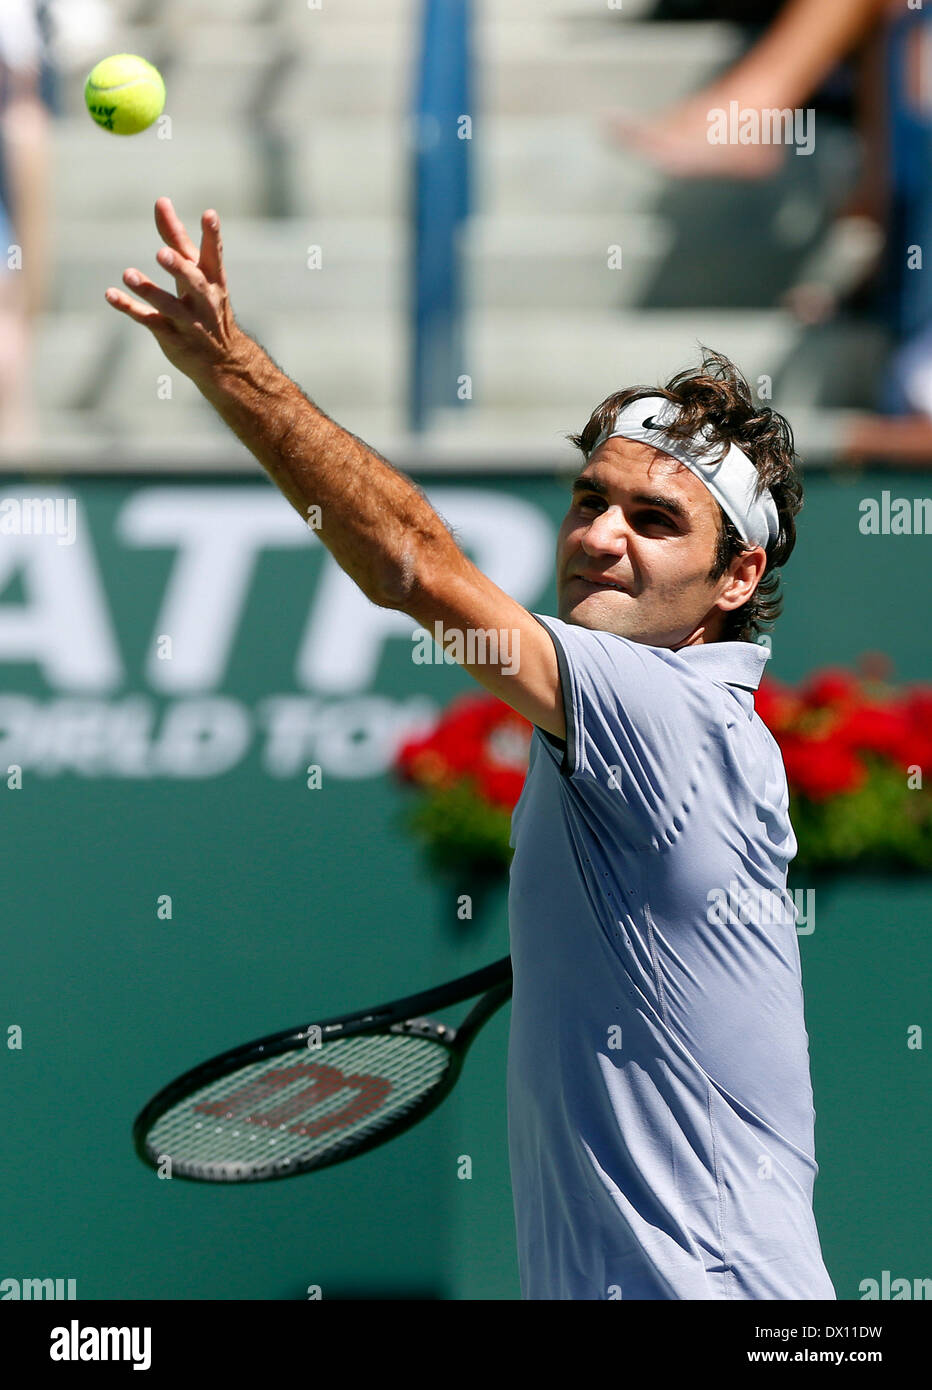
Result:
[319,1094]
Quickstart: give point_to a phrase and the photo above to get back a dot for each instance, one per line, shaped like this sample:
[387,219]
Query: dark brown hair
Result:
[717,396]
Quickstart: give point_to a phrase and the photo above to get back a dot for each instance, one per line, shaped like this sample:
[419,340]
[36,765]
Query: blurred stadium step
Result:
[99,177]
[340,357]
[561,164]
[592,259]
[532,357]
[304,265]
[495,442]
[576,69]
[187,440]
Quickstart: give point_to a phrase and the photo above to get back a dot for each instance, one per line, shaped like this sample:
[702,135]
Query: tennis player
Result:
[660,1105]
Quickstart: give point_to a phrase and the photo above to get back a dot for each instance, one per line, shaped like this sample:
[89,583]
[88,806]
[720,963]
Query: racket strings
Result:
[299,1109]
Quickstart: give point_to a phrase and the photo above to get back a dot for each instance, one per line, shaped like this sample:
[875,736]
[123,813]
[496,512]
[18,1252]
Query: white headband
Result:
[732,482]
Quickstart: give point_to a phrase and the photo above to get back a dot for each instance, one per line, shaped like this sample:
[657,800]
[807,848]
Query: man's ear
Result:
[744,574]
[754,562]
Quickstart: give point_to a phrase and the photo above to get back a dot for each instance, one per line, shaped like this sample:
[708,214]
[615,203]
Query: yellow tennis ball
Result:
[124,94]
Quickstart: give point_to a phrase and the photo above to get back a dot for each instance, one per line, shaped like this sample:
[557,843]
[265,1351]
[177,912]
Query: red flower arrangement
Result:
[825,730]
[472,766]
[855,751]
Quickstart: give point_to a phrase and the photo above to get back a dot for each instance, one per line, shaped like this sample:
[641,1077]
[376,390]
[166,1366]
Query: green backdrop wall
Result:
[182,770]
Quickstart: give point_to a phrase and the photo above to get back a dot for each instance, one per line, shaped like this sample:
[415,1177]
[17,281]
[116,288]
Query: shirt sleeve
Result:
[639,725]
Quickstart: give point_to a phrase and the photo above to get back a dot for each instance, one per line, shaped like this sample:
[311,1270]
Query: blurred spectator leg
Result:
[846,266]
[903,433]
[18,423]
[25,133]
[782,71]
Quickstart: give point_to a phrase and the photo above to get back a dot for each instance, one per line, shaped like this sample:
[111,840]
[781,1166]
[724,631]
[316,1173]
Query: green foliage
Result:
[883,824]
[461,830]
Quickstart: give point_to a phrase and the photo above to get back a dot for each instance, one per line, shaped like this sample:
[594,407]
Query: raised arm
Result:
[379,527]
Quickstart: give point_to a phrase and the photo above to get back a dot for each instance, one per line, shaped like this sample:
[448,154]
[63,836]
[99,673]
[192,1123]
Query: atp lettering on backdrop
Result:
[276,655]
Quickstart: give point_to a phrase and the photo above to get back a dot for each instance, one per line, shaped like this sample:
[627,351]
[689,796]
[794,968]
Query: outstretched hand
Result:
[195,330]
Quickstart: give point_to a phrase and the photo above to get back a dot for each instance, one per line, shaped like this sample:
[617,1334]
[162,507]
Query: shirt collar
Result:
[731,663]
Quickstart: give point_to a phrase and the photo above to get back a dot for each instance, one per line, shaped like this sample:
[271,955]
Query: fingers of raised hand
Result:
[203,299]
[201,311]
[189,277]
[212,249]
[171,229]
[129,306]
[172,232]
[165,307]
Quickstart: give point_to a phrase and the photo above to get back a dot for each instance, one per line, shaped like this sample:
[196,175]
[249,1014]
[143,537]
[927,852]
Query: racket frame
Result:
[407,1017]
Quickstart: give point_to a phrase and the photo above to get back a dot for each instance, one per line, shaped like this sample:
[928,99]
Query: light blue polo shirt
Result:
[660,1110]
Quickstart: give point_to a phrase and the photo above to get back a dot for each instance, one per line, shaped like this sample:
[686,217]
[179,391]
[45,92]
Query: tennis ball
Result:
[124,94]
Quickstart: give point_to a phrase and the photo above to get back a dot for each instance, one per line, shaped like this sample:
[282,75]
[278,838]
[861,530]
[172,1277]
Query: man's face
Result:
[643,520]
